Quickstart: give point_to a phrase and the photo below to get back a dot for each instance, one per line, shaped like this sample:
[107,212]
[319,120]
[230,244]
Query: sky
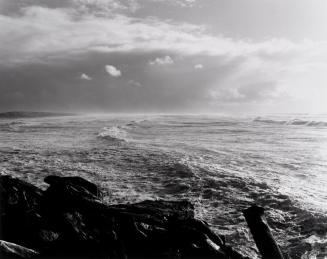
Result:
[164,56]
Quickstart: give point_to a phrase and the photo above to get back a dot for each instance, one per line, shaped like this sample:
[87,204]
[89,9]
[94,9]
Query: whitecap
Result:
[114,133]
[295,122]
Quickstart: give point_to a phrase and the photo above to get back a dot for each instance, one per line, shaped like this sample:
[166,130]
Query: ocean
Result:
[222,164]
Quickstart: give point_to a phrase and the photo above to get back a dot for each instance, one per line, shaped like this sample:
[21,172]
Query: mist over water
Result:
[221,164]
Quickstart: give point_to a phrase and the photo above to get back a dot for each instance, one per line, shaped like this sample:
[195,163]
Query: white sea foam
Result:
[114,133]
[221,165]
[295,121]
[11,126]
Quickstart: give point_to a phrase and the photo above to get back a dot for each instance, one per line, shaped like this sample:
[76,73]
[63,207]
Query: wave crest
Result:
[13,126]
[114,133]
[296,122]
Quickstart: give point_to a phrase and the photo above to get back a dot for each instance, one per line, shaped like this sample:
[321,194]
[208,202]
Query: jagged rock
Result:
[18,195]
[70,191]
[77,184]
[181,210]
[19,203]
[11,250]
[68,220]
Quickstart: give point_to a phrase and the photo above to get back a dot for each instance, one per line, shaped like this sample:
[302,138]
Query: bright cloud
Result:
[85,77]
[88,32]
[166,60]
[198,66]
[181,3]
[106,7]
[43,34]
[109,7]
[113,71]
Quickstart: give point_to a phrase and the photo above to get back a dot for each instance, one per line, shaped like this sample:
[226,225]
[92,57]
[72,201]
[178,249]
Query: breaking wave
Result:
[114,133]
[138,123]
[122,132]
[11,126]
[297,122]
[218,164]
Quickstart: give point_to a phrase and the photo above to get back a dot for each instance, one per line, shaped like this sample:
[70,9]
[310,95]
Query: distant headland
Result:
[29,114]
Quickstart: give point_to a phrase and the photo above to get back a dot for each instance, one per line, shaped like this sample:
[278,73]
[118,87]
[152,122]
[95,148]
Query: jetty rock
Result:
[69,220]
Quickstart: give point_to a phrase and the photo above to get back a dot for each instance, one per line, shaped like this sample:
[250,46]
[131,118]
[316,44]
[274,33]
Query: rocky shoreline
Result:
[69,220]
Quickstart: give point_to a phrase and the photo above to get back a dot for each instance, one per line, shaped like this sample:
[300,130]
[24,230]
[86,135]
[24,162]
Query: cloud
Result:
[86,29]
[134,83]
[198,66]
[180,3]
[166,60]
[246,93]
[41,34]
[113,71]
[223,85]
[85,77]
[106,7]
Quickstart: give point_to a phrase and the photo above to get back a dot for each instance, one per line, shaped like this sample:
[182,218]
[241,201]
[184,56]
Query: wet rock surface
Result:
[11,250]
[69,220]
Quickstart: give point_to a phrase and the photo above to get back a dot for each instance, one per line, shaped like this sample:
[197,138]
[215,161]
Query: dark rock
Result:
[159,211]
[261,233]
[11,250]
[84,187]
[18,195]
[48,236]
[19,203]
[69,220]
[70,193]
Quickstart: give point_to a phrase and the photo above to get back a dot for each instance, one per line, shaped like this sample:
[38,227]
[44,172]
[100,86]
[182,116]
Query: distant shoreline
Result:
[23,114]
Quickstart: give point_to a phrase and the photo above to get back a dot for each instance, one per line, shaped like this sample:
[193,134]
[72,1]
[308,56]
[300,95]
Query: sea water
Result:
[221,164]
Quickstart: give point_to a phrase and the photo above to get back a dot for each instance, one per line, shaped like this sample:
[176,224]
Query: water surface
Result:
[221,164]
